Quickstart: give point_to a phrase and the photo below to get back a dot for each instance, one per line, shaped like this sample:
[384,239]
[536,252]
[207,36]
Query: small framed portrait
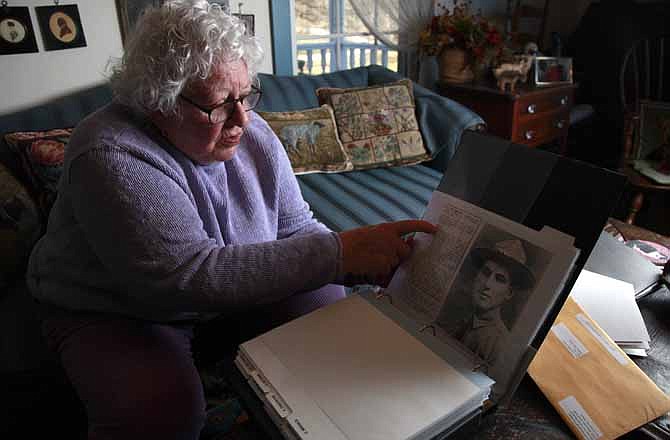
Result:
[549,71]
[61,27]
[248,20]
[16,31]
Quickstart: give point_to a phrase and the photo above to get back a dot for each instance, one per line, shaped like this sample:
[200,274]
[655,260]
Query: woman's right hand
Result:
[371,254]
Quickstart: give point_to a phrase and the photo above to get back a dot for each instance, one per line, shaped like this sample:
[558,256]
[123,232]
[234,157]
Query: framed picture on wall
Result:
[16,31]
[61,27]
[248,20]
[129,11]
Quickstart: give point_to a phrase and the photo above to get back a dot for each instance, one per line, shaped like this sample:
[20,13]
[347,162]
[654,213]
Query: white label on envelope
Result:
[569,340]
[587,428]
[616,354]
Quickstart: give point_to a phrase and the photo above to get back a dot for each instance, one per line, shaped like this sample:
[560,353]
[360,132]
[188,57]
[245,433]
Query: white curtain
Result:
[409,18]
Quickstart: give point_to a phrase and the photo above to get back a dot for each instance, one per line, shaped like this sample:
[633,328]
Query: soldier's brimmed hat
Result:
[511,255]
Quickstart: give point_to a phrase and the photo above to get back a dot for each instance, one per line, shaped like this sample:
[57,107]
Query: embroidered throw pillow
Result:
[376,124]
[41,154]
[310,139]
[20,227]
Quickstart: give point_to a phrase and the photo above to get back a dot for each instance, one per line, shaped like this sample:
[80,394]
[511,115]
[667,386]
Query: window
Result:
[330,37]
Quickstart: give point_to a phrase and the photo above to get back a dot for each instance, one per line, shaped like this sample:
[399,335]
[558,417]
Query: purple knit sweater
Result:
[139,229]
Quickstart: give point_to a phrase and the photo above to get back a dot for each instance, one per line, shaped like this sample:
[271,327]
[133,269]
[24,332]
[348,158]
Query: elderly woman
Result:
[178,204]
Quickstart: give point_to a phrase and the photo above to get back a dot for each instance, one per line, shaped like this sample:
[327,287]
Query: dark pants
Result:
[138,379]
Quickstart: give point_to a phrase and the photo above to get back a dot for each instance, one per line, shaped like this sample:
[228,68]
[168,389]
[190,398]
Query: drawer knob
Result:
[532,108]
[564,100]
[560,123]
[529,135]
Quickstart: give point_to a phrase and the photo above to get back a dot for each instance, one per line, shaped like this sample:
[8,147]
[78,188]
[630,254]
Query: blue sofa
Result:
[341,201]
[347,200]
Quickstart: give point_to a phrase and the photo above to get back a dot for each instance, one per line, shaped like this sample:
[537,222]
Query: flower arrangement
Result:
[461,28]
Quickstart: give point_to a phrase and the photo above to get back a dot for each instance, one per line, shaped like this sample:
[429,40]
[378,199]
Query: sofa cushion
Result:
[310,139]
[441,120]
[20,227]
[377,124]
[41,154]
[358,198]
[290,93]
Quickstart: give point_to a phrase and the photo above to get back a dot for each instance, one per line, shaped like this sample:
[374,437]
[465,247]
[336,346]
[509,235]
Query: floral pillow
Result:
[310,139]
[41,154]
[377,124]
[20,227]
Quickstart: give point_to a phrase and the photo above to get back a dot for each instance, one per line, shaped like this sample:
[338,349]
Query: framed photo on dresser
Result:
[548,71]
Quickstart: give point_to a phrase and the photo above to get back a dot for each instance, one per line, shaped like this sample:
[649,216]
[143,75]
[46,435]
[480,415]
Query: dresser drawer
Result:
[544,128]
[530,115]
[532,105]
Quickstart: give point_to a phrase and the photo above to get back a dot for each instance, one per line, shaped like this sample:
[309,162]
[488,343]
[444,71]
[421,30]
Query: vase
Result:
[455,66]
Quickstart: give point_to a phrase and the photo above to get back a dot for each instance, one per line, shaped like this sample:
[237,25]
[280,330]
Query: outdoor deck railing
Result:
[311,55]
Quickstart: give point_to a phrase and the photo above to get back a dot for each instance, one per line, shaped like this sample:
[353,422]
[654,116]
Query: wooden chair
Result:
[641,78]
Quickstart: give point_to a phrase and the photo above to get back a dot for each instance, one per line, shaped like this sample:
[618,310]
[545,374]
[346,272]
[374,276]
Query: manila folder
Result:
[592,383]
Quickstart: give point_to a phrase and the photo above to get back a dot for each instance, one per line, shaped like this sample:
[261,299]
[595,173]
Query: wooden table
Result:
[530,116]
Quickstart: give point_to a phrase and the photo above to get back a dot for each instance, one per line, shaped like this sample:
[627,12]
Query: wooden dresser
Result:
[531,115]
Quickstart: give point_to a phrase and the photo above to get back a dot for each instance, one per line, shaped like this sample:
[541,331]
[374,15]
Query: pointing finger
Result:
[408,226]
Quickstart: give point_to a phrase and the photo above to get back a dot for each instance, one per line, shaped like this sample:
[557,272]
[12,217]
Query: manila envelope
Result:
[596,388]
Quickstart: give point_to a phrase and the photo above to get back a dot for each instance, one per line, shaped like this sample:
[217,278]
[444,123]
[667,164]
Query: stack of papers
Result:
[611,303]
[347,371]
[613,258]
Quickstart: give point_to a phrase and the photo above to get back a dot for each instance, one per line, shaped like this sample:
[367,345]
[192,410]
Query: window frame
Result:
[286,40]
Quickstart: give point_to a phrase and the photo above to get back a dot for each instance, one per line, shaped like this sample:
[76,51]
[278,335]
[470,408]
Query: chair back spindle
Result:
[640,79]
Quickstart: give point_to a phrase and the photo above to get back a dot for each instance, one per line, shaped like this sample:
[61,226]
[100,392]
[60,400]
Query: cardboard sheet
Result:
[611,303]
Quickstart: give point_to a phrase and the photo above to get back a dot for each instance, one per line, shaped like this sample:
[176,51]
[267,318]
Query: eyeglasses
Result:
[221,112]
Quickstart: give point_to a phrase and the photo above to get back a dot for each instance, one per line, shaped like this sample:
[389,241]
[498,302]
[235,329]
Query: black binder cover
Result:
[535,188]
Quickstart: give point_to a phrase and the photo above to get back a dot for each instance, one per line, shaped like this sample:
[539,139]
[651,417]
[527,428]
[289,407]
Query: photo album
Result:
[454,332]
[428,352]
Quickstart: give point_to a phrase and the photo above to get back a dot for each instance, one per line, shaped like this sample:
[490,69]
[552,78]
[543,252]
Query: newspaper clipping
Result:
[482,282]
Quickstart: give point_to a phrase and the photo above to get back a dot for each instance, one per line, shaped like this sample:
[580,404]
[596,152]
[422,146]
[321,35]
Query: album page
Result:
[482,283]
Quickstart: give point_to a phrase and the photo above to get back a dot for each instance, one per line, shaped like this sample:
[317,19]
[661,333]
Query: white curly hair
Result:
[175,45]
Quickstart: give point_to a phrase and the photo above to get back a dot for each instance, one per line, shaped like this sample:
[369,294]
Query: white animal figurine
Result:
[508,74]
